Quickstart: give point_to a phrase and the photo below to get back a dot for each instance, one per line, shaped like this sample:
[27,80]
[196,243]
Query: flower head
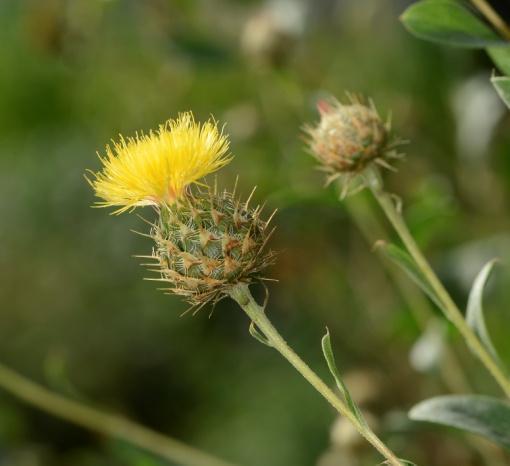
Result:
[207,243]
[349,137]
[156,168]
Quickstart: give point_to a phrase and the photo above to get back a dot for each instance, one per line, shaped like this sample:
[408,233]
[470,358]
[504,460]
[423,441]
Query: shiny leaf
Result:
[501,58]
[448,22]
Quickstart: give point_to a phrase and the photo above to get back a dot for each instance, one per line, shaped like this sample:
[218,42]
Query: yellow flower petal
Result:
[156,168]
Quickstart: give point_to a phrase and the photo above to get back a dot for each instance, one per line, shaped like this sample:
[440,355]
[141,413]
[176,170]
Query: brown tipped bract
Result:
[207,243]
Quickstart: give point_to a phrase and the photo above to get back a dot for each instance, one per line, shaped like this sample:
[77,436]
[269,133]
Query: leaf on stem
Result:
[448,22]
[407,264]
[474,313]
[327,350]
[502,86]
[501,58]
[257,334]
[481,415]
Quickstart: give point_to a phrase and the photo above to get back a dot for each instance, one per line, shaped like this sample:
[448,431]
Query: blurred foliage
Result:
[76,314]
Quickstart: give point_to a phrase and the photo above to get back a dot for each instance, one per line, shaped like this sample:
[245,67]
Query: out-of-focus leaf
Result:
[327,350]
[474,312]
[481,415]
[132,456]
[406,263]
[502,85]
[428,350]
[501,58]
[448,22]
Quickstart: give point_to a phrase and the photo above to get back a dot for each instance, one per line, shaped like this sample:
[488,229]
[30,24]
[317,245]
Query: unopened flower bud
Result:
[349,137]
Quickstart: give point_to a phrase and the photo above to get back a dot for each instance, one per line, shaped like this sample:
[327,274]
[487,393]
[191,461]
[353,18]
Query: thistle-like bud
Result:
[207,243]
[349,137]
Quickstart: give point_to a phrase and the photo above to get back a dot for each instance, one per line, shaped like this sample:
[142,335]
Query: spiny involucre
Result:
[206,241]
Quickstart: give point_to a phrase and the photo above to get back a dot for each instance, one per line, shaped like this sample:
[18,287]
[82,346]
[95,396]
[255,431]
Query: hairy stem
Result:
[492,17]
[102,423]
[448,307]
[241,294]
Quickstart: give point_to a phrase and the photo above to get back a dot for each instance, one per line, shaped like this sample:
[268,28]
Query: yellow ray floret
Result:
[156,168]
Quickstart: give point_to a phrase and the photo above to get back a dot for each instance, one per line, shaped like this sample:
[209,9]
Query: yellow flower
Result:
[155,169]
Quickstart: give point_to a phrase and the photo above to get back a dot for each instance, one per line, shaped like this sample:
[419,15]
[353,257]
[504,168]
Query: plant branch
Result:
[241,294]
[449,366]
[449,308]
[102,423]
[492,17]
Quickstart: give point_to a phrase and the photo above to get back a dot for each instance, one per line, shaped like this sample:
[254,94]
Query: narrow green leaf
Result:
[501,58]
[407,264]
[327,350]
[502,85]
[474,312]
[448,22]
[481,415]
[255,333]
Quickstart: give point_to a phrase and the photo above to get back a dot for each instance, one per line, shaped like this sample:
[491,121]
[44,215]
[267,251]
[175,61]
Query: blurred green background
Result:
[75,312]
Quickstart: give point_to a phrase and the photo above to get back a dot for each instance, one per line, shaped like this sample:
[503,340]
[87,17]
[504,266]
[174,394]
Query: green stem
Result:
[449,308]
[103,423]
[241,294]
[449,366]
[492,16]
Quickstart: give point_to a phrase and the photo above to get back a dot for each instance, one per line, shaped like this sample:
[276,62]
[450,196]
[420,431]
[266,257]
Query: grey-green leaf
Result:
[255,333]
[448,22]
[502,86]
[474,312]
[327,350]
[407,264]
[481,415]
